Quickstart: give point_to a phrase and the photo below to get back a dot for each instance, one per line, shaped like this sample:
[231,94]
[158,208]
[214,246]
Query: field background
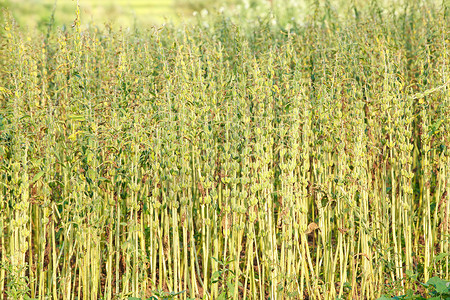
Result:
[34,13]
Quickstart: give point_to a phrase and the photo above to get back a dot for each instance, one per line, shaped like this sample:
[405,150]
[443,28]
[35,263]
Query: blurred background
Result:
[37,14]
[32,13]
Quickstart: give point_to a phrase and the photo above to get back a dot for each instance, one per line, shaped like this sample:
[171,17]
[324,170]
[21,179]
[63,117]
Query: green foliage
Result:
[437,289]
[17,285]
[226,277]
[161,295]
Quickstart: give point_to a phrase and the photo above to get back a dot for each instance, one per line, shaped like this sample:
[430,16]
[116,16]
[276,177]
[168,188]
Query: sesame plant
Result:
[248,154]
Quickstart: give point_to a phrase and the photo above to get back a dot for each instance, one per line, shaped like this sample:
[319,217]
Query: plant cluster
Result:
[242,158]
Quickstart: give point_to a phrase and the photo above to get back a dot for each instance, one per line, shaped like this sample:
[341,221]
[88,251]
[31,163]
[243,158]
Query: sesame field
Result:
[267,150]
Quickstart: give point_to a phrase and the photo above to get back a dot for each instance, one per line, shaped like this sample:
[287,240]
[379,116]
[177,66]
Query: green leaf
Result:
[440,257]
[216,275]
[77,118]
[441,286]
[222,296]
[411,274]
[177,293]
[37,176]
